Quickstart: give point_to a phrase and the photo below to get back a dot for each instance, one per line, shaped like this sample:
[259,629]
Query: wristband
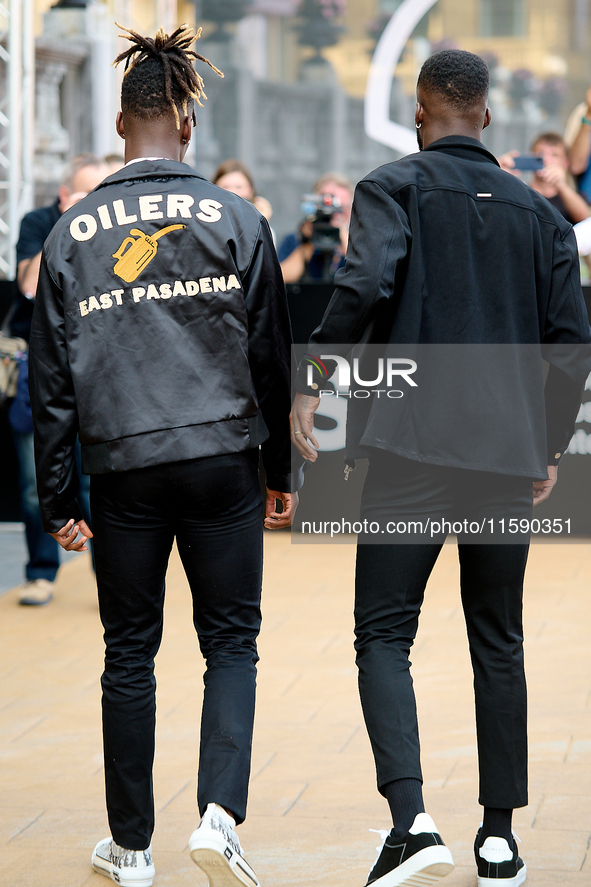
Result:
[586,121]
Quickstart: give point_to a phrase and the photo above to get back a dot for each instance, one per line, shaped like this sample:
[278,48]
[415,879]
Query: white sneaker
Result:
[36,593]
[215,848]
[130,868]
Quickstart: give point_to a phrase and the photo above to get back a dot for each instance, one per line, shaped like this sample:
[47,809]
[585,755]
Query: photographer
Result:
[309,253]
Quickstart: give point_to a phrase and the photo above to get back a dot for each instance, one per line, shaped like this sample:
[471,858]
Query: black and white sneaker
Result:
[130,868]
[215,848]
[498,864]
[418,859]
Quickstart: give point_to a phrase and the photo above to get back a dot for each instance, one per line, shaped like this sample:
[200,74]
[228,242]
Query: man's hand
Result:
[555,175]
[301,423]
[507,162]
[543,488]
[66,537]
[263,206]
[275,520]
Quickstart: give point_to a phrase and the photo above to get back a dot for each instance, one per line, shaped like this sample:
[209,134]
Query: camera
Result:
[319,209]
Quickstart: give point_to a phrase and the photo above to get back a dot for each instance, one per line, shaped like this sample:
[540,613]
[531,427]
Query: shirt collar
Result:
[460,145]
[146,167]
[139,159]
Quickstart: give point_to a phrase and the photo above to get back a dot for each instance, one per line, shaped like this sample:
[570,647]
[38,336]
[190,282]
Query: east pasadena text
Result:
[136,294]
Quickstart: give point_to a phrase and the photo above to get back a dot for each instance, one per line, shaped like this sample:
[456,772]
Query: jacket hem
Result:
[533,473]
[168,445]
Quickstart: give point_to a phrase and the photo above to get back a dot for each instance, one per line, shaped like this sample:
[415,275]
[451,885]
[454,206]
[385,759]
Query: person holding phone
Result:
[549,162]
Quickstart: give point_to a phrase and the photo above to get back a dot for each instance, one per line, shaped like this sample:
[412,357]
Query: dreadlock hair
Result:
[460,77]
[159,74]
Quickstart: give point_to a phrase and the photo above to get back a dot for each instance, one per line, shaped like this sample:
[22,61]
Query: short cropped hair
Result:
[80,161]
[460,78]
[550,138]
[337,177]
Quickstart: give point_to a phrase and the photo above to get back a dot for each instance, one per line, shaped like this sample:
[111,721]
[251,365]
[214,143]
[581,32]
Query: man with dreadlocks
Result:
[161,332]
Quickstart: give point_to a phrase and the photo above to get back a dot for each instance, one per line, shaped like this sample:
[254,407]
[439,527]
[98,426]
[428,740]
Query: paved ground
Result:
[312,794]
[13,555]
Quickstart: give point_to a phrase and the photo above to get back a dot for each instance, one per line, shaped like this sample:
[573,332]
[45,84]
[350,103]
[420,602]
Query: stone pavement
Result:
[313,797]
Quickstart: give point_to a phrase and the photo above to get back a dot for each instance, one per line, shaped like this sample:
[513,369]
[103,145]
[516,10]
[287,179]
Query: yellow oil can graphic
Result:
[137,251]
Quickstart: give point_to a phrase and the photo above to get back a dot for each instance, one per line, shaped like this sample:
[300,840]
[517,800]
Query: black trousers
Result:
[213,506]
[390,585]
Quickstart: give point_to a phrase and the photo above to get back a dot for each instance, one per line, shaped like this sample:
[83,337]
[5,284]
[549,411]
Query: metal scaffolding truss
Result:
[17,71]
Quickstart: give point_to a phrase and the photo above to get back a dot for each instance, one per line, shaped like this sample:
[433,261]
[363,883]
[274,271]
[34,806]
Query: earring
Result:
[184,141]
[418,125]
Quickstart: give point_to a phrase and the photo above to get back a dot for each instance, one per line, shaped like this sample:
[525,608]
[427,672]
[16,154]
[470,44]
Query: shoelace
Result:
[383,833]
[229,834]
[127,859]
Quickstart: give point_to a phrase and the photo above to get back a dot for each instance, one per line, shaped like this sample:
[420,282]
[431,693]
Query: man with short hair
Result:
[82,174]
[447,249]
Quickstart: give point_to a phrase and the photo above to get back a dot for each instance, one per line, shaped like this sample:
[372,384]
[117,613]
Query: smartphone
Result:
[528,162]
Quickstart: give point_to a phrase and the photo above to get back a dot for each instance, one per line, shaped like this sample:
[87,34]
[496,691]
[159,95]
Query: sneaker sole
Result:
[102,867]
[422,870]
[224,868]
[505,882]
[32,602]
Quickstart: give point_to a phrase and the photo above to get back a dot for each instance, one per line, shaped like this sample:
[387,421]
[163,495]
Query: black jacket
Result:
[160,333]
[446,248]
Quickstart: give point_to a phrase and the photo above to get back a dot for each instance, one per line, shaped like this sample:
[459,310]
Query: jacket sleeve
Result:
[269,347]
[379,237]
[53,404]
[566,340]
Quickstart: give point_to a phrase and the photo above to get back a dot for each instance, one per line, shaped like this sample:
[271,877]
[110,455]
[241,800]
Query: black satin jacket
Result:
[160,333]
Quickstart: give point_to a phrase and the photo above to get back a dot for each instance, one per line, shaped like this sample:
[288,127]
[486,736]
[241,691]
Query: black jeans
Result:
[390,584]
[213,507]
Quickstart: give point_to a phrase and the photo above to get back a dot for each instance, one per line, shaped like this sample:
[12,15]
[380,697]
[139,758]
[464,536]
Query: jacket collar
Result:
[463,146]
[151,169]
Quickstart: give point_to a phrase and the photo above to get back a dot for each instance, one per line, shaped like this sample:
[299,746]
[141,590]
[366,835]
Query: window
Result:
[502,18]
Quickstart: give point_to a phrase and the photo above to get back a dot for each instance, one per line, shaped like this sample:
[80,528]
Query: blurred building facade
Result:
[291,105]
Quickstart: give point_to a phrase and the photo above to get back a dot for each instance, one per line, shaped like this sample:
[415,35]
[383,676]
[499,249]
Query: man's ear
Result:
[186,127]
[64,195]
[119,125]
[185,135]
[487,118]
[419,112]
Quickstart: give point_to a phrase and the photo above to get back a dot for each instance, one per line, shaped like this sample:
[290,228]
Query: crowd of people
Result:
[166,388]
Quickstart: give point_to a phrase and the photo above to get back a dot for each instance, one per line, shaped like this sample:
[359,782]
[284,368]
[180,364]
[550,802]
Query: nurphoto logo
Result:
[387,371]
